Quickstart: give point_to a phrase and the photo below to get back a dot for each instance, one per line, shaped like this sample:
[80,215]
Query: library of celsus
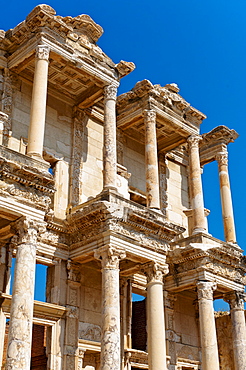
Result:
[105,190]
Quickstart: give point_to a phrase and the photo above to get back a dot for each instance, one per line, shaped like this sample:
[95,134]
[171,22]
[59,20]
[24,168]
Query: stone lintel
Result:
[41,309]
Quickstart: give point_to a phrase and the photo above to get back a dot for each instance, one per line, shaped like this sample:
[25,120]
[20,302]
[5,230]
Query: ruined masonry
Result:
[106,192]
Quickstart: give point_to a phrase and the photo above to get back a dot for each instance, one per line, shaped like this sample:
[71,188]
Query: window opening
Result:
[139,322]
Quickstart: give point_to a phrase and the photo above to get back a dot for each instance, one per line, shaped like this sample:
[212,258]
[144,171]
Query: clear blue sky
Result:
[200,45]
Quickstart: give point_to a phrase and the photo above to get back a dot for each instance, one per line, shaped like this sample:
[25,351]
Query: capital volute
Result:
[205,289]
[27,230]
[222,158]
[110,92]
[235,299]
[149,115]
[110,256]
[42,52]
[193,141]
[155,272]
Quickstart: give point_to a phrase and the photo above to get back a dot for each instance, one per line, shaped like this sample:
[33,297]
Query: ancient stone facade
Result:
[106,192]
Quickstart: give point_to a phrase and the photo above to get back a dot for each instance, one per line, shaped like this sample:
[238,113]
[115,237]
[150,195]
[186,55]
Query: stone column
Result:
[210,356]
[21,313]
[236,301]
[226,200]
[151,160]
[155,316]
[110,343]
[199,220]
[109,153]
[38,106]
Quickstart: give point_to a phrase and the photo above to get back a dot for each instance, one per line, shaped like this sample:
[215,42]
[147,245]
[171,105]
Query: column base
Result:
[199,230]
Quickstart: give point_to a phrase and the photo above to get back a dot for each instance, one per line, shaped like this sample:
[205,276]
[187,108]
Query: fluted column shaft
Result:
[155,316]
[236,302]
[151,160]
[199,221]
[109,154]
[21,314]
[38,106]
[226,200]
[110,342]
[210,356]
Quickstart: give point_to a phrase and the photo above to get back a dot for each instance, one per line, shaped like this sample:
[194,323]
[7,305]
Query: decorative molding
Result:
[124,68]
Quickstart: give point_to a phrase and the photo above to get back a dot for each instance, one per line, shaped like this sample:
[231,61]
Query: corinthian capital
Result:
[236,300]
[222,158]
[155,272]
[110,92]
[194,140]
[205,289]
[149,115]
[110,256]
[27,230]
[42,52]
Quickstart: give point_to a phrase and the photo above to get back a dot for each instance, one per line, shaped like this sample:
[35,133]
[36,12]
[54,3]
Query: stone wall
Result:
[224,336]
[177,192]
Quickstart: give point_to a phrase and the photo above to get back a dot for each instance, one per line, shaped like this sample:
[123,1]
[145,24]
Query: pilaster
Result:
[236,301]
[72,317]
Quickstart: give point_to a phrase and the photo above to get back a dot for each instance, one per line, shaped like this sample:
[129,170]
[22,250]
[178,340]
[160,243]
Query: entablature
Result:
[215,142]
[112,219]
[199,256]
[176,120]
[78,67]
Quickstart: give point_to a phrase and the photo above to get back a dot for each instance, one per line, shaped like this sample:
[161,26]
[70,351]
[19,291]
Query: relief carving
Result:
[193,141]
[154,272]
[27,230]
[110,92]
[236,300]
[42,52]
[89,331]
[205,289]
[110,256]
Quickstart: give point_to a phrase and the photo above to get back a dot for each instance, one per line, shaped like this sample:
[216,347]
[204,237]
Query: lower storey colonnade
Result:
[20,329]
